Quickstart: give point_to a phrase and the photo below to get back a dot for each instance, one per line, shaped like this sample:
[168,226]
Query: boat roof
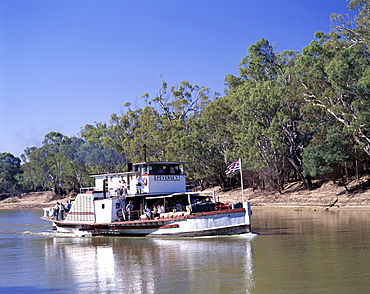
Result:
[113,174]
[160,162]
[181,193]
[139,163]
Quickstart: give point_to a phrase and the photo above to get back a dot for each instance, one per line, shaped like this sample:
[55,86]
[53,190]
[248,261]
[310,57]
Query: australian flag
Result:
[232,168]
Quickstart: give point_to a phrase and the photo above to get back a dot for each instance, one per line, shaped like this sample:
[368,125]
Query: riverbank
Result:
[32,200]
[327,195]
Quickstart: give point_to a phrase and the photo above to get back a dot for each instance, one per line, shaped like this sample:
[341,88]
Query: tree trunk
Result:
[306,180]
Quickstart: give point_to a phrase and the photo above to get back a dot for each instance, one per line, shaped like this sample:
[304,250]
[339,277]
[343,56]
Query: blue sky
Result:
[65,64]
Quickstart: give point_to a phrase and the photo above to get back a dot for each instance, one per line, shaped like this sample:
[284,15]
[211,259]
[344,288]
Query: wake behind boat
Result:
[149,200]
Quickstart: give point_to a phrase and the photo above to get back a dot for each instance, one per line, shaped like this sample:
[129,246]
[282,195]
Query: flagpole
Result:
[241,179]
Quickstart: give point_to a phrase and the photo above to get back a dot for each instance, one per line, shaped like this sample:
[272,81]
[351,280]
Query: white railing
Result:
[86,189]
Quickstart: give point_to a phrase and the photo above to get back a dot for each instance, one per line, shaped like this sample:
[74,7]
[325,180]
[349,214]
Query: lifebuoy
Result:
[145,181]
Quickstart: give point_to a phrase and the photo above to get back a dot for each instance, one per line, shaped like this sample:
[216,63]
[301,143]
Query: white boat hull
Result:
[223,222]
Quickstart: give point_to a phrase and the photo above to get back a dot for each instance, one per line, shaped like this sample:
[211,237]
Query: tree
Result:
[181,101]
[160,128]
[264,100]
[46,165]
[178,106]
[97,158]
[209,142]
[335,75]
[9,170]
[328,157]
[126,134]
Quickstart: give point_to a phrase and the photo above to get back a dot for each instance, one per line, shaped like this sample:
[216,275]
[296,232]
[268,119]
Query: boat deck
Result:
[173,217]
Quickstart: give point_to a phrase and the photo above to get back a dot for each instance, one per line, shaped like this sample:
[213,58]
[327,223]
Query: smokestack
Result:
[104,189]
[145,147]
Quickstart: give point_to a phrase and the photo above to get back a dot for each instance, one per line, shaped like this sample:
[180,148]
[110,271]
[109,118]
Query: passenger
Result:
[69,206]
[167,206]
[56,211]
[147,212]
[123,188]
[130,210]
[120,215]
[160,209]
[61,211]
[155,213]
[118,188]
[178,206]
[160,171]
[139,185]
[165,170]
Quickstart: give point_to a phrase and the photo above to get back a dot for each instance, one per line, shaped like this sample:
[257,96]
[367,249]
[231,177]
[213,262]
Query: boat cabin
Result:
[147,184]
[143,178]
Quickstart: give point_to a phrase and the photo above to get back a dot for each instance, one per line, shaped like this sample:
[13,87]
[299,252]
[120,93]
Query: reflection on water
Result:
[296,252]
[132,265]
[311,251]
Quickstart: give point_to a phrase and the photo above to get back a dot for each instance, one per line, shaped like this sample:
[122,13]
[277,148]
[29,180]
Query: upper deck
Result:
[143,178]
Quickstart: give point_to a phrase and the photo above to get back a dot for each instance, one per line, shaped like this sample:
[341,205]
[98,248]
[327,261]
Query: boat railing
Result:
[48,212]
[109,192]
[87,189]
[129,215]
[139,215]
[51,212]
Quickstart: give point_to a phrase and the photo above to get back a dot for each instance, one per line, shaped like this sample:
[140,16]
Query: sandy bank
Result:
[32,200]
[327,195]
[294,196]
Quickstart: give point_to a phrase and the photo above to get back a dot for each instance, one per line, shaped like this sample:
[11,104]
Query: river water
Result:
[294,252]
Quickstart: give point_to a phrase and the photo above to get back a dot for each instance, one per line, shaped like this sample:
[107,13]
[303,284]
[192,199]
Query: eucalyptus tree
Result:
[179,102]
[96,158]
[335,75]
[53,166]
[178,106]
[75,172]
[45,164]
[137,128]
[265,100]
[55,159]
[209,142]
[330,155]
[10,169]
[30,172]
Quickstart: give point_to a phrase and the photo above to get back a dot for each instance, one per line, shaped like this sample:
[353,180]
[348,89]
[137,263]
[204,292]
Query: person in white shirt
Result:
[160,209]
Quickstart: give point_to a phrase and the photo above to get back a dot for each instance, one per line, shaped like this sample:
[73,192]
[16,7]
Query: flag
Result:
[232,168]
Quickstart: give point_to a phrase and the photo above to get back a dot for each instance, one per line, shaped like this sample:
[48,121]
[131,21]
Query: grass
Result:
[11,200]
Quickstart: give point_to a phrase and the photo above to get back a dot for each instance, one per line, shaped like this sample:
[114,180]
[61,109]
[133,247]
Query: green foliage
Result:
[11,200]
[269,113]
[209,142]
[64,164]
[287,115]
[327,156]
[334,72]
[9,170]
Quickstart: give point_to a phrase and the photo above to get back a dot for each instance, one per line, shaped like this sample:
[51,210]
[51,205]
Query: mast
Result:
[241,179]
[145,147]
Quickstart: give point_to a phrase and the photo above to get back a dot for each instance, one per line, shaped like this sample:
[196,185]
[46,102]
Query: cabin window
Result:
[102,206]
[118,205]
